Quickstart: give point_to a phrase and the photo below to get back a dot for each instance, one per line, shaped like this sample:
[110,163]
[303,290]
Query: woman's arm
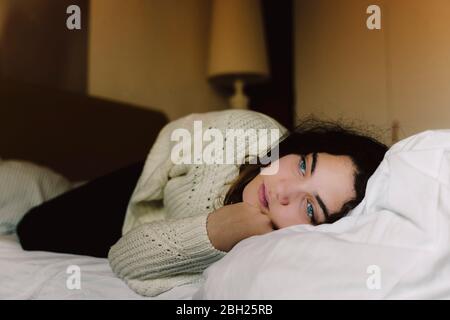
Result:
[157,256]
[158,253]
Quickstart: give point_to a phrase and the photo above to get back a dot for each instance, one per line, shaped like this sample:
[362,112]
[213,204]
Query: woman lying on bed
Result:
[161,224]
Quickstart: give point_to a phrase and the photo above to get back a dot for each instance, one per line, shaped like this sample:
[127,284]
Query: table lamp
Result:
[237,49]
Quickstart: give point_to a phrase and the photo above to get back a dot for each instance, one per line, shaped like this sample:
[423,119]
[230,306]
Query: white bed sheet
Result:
[43,275]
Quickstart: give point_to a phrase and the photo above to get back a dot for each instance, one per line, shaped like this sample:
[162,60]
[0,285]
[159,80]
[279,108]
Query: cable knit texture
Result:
[165,242]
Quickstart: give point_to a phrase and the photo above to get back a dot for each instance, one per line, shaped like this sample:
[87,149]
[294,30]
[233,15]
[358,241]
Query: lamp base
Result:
[239,100]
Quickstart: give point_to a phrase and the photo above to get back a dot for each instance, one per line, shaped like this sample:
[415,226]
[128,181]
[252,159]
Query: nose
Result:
[286,192]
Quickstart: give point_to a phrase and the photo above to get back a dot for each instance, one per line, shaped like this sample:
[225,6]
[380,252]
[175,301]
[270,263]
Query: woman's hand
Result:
[235,222]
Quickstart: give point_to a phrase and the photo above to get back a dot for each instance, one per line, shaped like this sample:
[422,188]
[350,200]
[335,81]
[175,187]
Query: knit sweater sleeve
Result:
[156,257]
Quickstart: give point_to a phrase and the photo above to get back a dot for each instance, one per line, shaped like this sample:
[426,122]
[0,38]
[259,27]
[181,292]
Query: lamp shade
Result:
[237,46]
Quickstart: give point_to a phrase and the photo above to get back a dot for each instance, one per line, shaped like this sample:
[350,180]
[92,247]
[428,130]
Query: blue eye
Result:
[310,211]
[309,206]
[302,165]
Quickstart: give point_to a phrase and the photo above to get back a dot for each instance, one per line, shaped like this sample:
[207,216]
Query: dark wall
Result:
[36,46]
[276,97]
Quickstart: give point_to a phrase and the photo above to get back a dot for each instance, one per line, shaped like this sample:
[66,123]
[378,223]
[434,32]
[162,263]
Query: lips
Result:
[262,196]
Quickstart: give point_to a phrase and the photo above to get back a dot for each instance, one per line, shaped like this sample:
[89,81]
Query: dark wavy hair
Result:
[313,136]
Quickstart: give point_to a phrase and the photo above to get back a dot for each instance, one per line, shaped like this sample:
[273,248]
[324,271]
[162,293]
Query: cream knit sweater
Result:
[165,242]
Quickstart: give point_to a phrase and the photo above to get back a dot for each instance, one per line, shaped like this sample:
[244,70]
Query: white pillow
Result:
[24,185]
[393,245]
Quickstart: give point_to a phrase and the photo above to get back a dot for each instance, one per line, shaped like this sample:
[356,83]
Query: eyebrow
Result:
[319,200]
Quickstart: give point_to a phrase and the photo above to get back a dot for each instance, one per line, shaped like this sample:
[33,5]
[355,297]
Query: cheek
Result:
[249,195]
[288,217]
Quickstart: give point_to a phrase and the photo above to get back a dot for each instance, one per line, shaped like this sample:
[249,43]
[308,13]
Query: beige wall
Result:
[418,43]
[152,53]
[399,72]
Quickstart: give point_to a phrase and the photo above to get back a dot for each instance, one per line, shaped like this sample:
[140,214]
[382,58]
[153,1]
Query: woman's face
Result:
[304,190]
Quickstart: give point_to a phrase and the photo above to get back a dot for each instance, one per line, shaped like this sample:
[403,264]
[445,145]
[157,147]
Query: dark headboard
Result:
[78,136]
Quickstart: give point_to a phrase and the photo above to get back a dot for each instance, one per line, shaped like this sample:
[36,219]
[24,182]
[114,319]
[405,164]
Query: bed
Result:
[81,138]
[393,245]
